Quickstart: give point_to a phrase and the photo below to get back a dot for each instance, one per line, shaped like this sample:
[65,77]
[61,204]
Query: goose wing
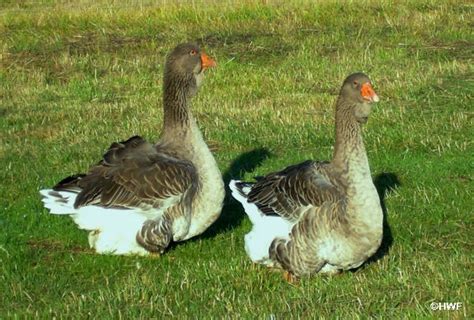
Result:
[133,173]
[289,192]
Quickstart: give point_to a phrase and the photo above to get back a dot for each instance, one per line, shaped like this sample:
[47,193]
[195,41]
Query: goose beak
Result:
[207,62]
[368,93]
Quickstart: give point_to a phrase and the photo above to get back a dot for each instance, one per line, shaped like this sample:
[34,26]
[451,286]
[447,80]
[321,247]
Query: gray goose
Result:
[319,217]
[141,196]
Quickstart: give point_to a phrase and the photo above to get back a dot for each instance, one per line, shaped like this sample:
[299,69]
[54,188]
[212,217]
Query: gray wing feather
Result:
[287,192]
[133,173]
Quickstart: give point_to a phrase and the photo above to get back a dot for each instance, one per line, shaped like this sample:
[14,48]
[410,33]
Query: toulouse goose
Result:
[141,196]
[319,216]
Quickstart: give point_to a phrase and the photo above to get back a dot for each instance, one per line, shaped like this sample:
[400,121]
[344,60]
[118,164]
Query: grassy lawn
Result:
[79,75]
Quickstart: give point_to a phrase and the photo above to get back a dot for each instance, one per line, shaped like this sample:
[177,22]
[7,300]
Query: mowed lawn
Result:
[78,76]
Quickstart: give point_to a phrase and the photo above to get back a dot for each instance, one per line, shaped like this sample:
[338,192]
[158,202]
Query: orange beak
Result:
[368,93]
[207,62]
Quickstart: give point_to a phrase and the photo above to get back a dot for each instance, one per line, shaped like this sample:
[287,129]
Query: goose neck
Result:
[349,150]
[178,90]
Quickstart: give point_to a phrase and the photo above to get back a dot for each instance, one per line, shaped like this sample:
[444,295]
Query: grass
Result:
[78,76]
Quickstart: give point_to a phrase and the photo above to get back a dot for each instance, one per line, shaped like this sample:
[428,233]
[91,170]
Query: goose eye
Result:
[193,52]
[356,83]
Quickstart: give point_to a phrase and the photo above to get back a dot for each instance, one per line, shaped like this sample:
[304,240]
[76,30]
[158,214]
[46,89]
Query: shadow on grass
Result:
[232,212]
[385,182]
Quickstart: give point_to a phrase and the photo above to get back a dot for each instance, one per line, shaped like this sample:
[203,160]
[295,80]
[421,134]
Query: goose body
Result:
[319,217]
[141,196]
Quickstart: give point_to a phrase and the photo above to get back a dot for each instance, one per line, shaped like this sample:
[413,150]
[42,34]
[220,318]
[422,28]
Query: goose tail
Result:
[240,190]
[111,230]
[87,218]
[265,228]
[59,202]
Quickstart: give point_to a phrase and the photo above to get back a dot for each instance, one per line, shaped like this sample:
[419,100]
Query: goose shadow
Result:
[384,182]
[232,213]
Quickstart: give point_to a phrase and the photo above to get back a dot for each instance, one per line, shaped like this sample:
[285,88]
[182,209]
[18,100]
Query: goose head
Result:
[184,68]
[358,94]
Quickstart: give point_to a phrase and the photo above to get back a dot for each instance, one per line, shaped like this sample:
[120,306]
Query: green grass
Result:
[77,76]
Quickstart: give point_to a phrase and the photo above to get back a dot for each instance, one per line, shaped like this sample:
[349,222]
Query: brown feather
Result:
[134,172]
[284,193]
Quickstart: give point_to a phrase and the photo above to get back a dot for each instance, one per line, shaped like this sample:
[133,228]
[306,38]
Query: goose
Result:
[141,196]
[319,216]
